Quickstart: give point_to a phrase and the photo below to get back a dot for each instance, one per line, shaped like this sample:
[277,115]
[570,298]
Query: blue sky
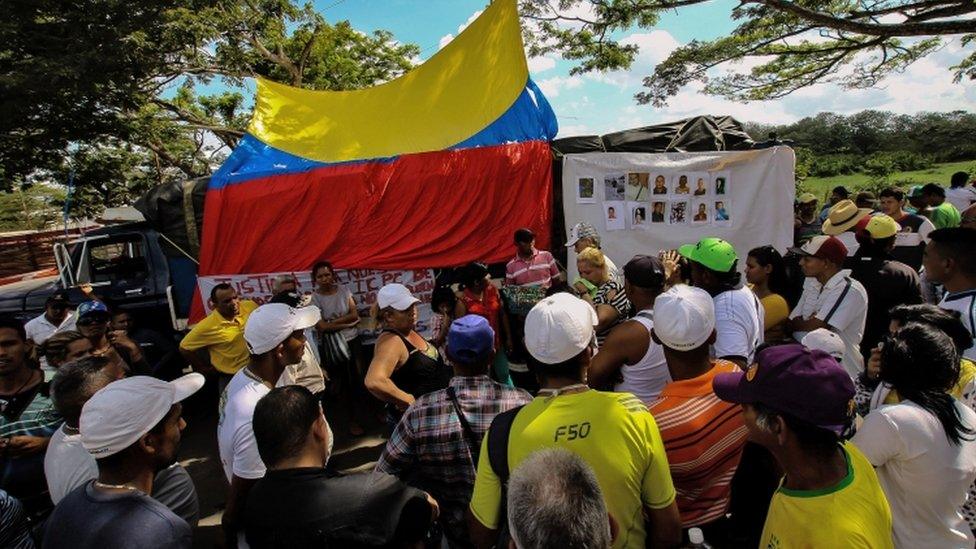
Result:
[601,103]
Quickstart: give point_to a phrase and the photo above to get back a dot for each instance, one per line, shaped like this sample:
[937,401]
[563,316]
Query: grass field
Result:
[939,173]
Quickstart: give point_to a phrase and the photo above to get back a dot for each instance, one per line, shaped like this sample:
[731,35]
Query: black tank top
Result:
[421,373]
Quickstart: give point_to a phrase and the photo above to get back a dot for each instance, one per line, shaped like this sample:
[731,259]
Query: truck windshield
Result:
[117,258]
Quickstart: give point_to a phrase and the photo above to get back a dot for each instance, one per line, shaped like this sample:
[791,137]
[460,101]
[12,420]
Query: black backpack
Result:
[498,435]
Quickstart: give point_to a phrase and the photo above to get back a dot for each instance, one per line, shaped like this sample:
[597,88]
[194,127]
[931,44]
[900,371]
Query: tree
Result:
[798,42]
[107,91]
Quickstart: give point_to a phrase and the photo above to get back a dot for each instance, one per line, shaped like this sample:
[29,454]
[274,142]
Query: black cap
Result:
[645,271]
[60,296]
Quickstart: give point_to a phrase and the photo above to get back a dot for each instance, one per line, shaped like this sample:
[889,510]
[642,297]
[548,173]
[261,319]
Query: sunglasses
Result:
[88,321]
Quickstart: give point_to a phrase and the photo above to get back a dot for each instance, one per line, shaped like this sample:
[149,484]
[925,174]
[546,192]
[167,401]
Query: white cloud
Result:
[654,47]
[924,86]
[445,40]
[541,64]
[552,86]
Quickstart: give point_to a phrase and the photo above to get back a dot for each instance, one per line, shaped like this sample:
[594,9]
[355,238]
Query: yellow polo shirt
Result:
[853,514]
[613,433]
[223,339]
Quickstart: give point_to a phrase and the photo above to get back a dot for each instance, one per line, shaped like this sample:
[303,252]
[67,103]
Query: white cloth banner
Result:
[642,203]
[362,283]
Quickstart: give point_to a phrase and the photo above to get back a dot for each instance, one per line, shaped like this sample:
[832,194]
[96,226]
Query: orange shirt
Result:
[703,438]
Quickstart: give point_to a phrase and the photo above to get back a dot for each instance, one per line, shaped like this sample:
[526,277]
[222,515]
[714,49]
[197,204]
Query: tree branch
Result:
[306,51]
[899,29]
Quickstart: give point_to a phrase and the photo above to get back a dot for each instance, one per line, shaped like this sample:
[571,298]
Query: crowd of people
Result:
[825,400]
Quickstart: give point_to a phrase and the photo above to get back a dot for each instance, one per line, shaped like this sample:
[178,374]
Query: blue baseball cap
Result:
[469,339]
[88,308]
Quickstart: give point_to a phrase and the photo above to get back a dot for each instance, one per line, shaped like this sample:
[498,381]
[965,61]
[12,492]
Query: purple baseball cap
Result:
[470,338]
[806,384]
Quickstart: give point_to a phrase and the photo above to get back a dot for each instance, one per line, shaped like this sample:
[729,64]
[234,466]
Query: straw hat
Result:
[842,216]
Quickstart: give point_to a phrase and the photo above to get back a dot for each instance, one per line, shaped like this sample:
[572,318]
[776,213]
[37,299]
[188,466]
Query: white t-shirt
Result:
[40,328]
[842,303]
[235,436]
[67,465]
[925,476]
[965,303]
[306,373]
[647,377]
[961,197]
[739,318]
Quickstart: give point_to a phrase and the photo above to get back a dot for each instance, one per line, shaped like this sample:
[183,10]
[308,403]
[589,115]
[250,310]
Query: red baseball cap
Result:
[824,247]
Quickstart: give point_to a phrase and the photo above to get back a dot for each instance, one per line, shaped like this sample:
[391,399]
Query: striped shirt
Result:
[30,413]
[612,293]
[965,303]
[538,270]
[429,446]
[703,437]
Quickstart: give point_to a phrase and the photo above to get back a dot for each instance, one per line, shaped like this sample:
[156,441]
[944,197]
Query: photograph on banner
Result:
[700,214]
[681,185]
[614,185]
[637,185]
[585,191]
[660,184]
[637,215]
[722,213]
[722,184]
[659,210]
[702,183]
[678,212]
[615,213]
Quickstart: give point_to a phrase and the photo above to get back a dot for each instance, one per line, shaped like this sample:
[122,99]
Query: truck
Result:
[144,266]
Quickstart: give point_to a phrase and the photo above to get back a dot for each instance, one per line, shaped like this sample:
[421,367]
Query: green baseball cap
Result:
[914,192]
[714,253]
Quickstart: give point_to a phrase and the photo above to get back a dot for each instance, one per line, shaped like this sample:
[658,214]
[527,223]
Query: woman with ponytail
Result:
[924,447]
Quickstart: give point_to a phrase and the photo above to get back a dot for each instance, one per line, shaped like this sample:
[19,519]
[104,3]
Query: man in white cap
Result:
[702,435]
[132,429]
[275,337]
[612,432]
[68,465]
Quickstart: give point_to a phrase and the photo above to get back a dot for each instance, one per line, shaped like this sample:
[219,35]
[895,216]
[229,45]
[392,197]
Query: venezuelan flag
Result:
[435,168]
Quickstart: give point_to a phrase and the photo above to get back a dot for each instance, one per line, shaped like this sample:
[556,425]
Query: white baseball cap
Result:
[684,317]
[397,296]
[582,230]
[559,327]
[272,323]
[116,416]
[824,340]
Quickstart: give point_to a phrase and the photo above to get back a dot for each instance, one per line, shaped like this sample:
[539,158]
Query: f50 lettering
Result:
[572,432]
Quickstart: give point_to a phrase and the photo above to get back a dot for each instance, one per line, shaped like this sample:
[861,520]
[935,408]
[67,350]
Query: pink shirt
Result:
[537,270]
